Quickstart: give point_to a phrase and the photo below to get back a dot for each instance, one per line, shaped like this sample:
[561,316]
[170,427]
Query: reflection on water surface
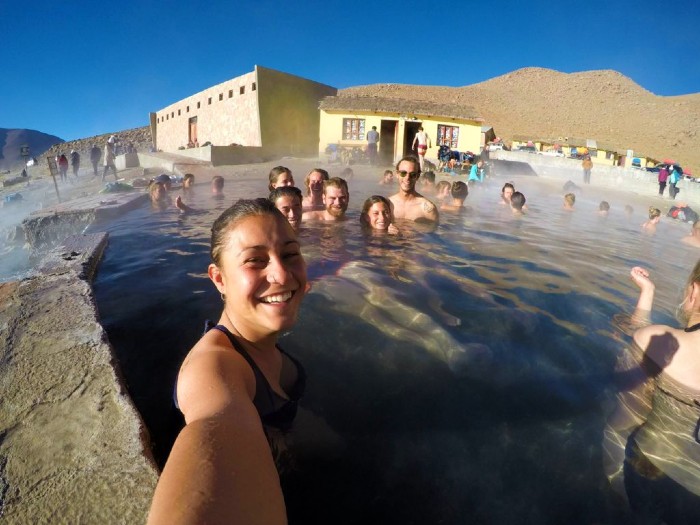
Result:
[455,376]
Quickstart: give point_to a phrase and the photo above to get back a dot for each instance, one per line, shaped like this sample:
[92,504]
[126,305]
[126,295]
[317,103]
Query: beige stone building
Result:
[272,112]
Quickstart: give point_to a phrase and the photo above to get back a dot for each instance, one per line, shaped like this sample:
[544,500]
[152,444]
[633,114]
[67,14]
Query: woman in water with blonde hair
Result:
[655,427]
[649,226]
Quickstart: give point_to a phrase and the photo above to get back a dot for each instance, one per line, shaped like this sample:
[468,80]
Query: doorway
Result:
[409,134]
[192,133]
[387,141]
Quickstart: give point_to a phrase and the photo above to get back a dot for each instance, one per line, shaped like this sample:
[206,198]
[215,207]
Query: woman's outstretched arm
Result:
[220,469]
[642,312]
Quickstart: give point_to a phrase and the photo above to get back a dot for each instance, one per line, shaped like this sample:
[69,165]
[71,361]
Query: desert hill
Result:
[12,139]
[602,105]
[140,138]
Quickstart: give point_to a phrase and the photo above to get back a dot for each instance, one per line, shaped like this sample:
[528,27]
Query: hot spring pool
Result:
[455,376]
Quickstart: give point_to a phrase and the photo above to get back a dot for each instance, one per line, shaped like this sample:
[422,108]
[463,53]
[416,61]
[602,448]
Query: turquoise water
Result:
[461,375]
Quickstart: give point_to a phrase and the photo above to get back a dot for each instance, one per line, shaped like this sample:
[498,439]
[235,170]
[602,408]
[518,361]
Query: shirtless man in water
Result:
[335,201]
[408,203]
[694,238]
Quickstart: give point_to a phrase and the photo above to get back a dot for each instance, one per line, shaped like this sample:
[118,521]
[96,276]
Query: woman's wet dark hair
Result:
[507,185]
[242,209]
[368,204]
[373,200]
[276,172]
[285,191]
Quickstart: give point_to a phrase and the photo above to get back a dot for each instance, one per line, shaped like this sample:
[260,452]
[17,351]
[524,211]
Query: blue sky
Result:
[77,69]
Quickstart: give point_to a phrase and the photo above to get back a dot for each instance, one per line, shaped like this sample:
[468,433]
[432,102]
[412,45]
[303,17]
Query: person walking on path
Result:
[109,158]
[587,165]
[372,141]
[673,179]
[663,177]
[63,167]
[421,143]
[95,155]
[75,162]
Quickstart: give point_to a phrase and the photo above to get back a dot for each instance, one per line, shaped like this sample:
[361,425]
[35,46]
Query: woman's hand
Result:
[640,277]
[642,314]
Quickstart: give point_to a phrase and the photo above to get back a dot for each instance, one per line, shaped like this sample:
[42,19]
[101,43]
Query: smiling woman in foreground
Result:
[237,389]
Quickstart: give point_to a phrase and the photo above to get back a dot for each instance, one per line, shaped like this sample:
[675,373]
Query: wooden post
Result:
[53,168]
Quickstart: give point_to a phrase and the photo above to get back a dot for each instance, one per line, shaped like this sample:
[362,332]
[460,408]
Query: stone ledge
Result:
[73,449]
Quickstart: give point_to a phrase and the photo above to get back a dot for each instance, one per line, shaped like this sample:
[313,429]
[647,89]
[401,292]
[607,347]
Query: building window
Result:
[448,136]
[157,120]
[353,129]
[230,93]
[242,90]
[172,114]
[221,97]
[199,105]
[209,101]
[254,87]
[167,117]
[188,109]
[178,112]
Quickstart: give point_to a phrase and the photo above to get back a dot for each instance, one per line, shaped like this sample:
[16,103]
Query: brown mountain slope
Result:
[603,105]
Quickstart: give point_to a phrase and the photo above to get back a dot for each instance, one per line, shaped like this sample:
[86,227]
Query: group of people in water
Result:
[239,391]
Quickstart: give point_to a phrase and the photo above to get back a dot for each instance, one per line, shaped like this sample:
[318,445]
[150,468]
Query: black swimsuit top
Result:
[275,411]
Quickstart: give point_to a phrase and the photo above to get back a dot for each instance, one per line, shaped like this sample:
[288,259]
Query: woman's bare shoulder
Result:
[212,377]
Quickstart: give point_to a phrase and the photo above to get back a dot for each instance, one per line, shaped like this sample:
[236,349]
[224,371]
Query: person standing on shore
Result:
[421,143]
[63,167]
[75,162]
[95,154]
[372,141]
[109,158]
[663,177]
[673,179]
[587,165]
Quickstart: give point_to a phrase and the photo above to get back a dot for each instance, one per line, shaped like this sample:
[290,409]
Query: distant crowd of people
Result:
[107,153]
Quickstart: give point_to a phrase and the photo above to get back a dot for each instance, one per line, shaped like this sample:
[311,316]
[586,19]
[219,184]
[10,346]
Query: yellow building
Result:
[345,121]
[271,111]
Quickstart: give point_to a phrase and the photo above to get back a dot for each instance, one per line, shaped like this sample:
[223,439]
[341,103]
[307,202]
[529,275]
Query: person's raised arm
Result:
[220,469]
[642,312]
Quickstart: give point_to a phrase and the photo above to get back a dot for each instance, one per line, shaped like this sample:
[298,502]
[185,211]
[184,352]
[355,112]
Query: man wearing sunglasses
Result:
[408,203]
